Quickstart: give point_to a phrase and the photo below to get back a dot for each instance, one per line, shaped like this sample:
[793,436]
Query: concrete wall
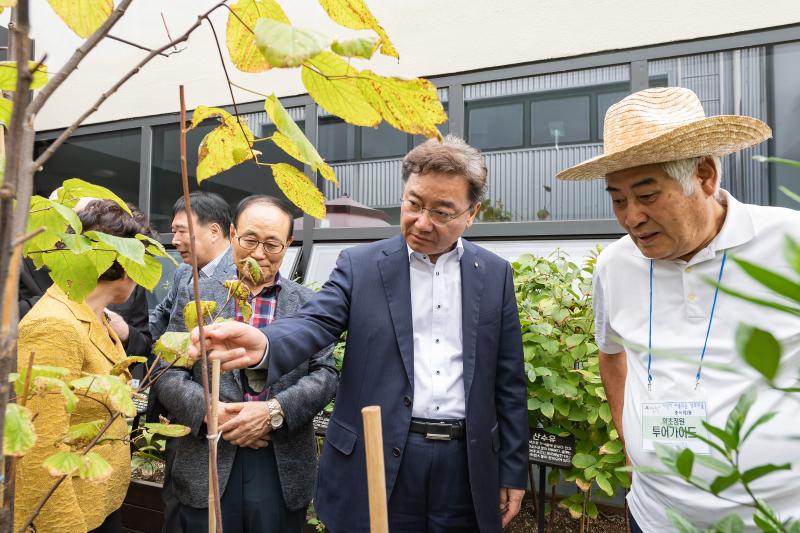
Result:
[433,38]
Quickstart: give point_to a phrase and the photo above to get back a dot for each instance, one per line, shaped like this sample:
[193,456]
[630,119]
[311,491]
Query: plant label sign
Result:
[321,423]
[550,450]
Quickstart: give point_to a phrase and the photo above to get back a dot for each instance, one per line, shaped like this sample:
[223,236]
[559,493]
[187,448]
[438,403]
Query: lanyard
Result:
[708,329]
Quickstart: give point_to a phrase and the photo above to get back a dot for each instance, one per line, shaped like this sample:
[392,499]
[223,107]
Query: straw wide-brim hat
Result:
[665,124]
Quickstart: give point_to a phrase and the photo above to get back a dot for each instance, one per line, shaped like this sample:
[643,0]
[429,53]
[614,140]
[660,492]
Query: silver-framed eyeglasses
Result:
[437,216]
[251,243]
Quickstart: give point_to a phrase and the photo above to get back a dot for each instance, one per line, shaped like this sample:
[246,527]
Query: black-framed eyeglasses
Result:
[251,243]
[437,216]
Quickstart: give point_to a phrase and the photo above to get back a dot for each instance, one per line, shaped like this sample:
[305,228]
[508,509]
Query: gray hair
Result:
[453,156]
[683,172]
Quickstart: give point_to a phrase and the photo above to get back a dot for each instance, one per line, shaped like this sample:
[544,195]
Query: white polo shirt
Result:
[682,302]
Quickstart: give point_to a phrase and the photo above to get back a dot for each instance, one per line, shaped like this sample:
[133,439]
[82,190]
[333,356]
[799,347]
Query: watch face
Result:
[276,421]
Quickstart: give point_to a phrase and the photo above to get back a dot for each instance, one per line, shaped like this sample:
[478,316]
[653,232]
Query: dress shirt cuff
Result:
[262,365]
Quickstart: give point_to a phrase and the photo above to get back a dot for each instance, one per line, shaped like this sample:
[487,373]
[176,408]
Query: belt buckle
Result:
[437,436]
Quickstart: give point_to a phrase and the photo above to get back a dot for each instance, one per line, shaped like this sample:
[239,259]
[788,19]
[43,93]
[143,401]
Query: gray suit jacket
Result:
[160,315]
[302,393]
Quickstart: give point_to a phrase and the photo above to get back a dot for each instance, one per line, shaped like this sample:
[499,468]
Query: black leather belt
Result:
[438,429]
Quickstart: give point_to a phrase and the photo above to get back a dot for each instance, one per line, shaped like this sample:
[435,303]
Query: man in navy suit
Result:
[434,340]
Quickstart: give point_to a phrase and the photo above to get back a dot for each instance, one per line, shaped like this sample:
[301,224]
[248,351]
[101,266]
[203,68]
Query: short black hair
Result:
[208,207]
[264,200]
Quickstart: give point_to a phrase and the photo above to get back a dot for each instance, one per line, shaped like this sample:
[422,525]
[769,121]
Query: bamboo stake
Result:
[214,526]
[376,475]
[212,431]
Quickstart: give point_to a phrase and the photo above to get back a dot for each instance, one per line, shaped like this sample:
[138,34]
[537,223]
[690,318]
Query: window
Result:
[383,141]
[604,101]
[337,140]
[560,120]
[233,185]
[491,127]
[107,159]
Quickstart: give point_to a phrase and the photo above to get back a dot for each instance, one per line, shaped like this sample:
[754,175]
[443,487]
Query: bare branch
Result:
[166,28]
[71,129]
[21,240]
[247,90]
[129,43]
[77,56]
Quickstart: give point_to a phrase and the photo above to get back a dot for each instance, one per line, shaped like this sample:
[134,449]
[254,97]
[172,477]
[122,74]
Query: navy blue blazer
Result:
[368,295]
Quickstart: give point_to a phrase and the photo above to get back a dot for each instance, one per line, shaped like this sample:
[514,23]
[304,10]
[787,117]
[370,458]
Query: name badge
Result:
[674,423]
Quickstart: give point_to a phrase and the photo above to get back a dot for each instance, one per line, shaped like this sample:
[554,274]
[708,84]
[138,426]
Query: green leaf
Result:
[791,251]
[737,416]
[779,160]
[168,430]
[714,464]
[721,483]
[74,189]
[46,383]
[208,308]
[684,463]
[591,508]
[82,434]
[62,463]
[118,393]
[285,45]
[547,409]
[583,460]
[760,301]
[240,38]
[359,47]
[681,523]
[130,248]
[604,483]
[729,441]
[763,419]
[83,16]
[772,280]
[299,189]
[762,470]
[18,378]
[77,244]
[293,141]
[611,447]
[574,340]
[68,214]
[123,365]
[147,276]
[759,349]
[246,309]
[74,274]
[19,433]
[605,413]
[94,468]
[731,523]
[101,260]
[8,75]
[173,347]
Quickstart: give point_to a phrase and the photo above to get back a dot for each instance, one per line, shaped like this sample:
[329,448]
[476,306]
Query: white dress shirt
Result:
[436,319]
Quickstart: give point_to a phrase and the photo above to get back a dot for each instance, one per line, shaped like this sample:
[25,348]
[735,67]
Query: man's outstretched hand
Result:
[235,344]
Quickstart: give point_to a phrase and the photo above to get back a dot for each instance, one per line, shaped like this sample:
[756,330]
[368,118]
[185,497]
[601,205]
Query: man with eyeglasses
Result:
[267,458]
[434,340]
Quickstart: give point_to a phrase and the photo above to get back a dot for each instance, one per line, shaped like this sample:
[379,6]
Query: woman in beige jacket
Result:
[78,337]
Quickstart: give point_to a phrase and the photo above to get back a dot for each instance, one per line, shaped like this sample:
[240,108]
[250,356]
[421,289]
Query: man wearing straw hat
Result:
[655,293]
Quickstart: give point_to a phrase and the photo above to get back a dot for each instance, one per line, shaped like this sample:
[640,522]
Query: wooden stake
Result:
[212,430]
[376,475]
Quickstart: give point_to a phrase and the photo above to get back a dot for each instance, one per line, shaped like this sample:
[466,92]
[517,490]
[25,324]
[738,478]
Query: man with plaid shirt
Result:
[267,459]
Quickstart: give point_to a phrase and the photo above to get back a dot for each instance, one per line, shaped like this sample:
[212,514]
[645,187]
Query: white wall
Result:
[433,37]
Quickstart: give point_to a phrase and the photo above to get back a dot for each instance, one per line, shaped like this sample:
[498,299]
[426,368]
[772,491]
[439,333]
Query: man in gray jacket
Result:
[267,454]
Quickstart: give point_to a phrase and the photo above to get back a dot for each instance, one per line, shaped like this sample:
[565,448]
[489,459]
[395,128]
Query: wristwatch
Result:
[275,414]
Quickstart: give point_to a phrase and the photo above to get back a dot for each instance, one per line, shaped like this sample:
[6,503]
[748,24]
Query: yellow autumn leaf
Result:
[354,14]
[325,77]
[362,47]
[8,75]
[241,40]
[287,46]
[411,106]
[225,146]
[293,141]
[6,106]
[7,3]
[82,16]
[299,189]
